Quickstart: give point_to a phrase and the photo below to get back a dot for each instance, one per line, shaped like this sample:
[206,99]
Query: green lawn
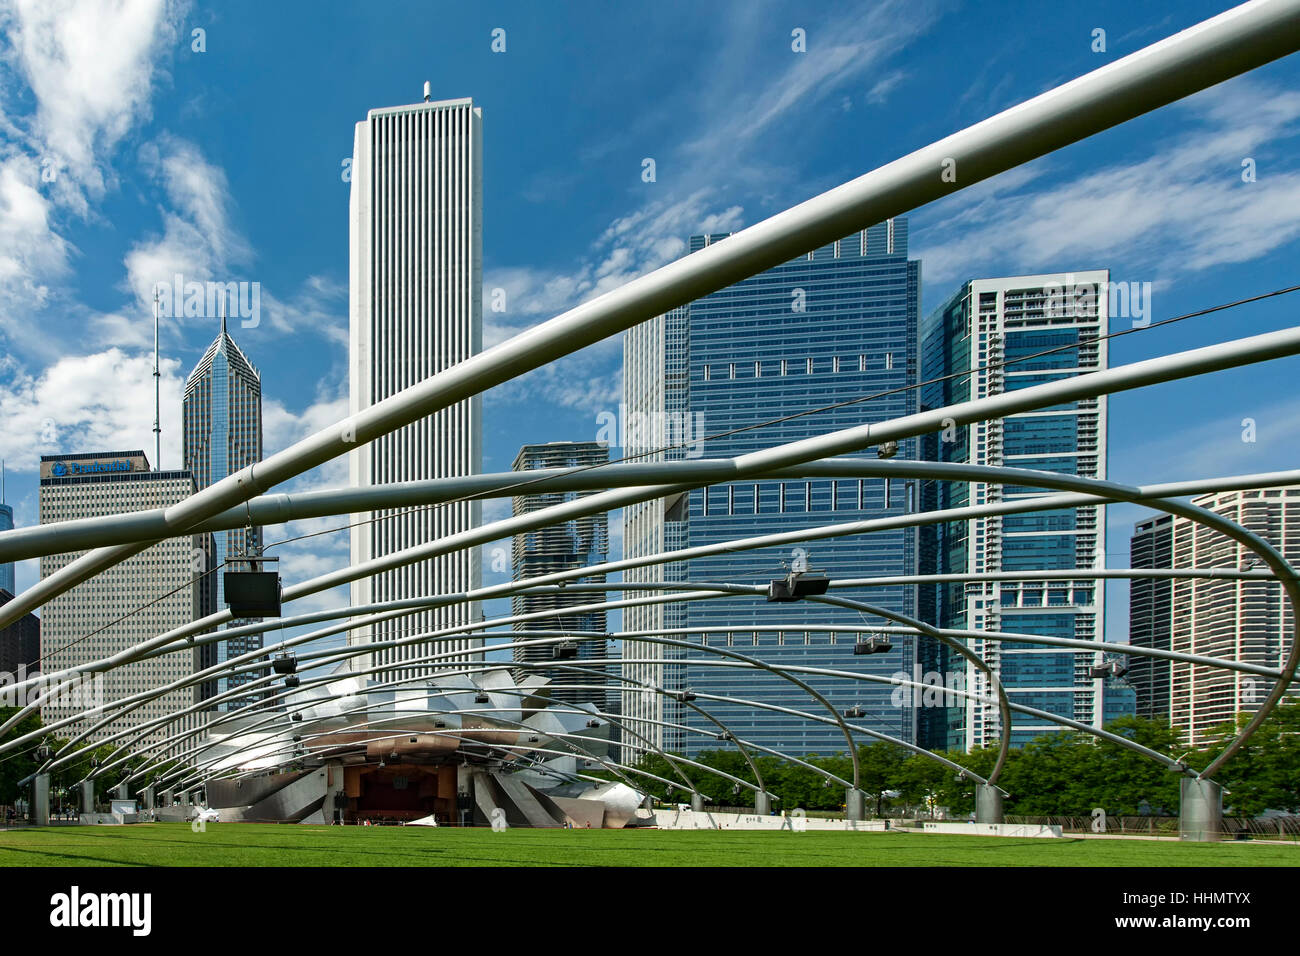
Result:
[244,844]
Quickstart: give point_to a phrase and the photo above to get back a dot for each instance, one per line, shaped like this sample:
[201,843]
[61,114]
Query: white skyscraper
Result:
[416,277]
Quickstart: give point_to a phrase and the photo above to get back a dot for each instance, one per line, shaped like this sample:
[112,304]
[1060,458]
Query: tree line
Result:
[1058,774]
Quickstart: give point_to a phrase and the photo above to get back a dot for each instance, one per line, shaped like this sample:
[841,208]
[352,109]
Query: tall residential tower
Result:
[1149,617]
[1229,618]
[986,323]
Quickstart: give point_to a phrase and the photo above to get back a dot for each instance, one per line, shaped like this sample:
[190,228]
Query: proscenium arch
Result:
[564,736]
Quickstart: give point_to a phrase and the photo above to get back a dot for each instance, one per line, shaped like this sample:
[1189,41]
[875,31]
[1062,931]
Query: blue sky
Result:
[126,156]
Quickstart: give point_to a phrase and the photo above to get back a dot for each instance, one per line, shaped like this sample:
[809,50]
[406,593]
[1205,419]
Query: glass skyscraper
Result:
[222,423]
[576,543]
[837,324]
[989,322]
[6,524]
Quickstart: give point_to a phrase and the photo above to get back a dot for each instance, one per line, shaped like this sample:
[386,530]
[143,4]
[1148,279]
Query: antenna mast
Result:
[157,390]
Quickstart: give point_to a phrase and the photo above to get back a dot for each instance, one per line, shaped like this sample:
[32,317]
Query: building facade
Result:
[6,524]
[839,323]
[222,425]
[1240,619]
[416,278]
[577,543]
[146,595]
[988,322]
[1150,619]
[20,648]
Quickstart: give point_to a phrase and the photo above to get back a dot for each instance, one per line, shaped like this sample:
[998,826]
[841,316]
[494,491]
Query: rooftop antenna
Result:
[428,91]
[157,390]
[2,481]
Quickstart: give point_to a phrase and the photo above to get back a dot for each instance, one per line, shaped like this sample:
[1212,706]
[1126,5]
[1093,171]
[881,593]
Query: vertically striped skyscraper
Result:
[1149,620]
[222,425]
[416,273]
[1229,618]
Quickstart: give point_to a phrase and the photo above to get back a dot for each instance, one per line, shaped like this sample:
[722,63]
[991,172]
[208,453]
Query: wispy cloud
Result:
[1182,207]
[91,66]
[1215,447]
[198,240]
[725,122]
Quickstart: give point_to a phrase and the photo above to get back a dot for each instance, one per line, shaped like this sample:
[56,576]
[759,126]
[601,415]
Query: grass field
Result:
[244,844]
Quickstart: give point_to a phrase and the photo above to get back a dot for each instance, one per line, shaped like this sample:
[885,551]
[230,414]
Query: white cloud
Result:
[1213,448]
[89,403]
[91,66]
[198,240]
[32,254]
[1183,207]
[881,89]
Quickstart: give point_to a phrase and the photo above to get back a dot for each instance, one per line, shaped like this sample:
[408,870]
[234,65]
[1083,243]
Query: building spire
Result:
[223,314]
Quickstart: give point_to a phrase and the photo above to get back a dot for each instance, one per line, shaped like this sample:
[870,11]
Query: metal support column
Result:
[1200,810]
[988,803]
[855,805]
[40,814]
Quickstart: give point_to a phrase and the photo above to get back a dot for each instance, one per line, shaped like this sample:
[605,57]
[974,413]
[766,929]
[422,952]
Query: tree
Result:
[16,765]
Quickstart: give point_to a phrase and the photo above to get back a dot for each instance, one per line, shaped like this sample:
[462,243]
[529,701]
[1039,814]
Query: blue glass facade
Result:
[986,323]
[837,324]
[222,416]
[6,567]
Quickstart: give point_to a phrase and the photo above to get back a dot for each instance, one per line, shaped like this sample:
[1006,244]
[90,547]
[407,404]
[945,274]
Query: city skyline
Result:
[212,212]
[1136,302]
[874,418]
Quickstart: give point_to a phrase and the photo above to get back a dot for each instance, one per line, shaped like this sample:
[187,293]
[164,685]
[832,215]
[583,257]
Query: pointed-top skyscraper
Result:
[222,434]
[6,524]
